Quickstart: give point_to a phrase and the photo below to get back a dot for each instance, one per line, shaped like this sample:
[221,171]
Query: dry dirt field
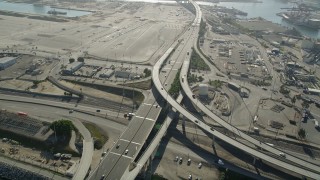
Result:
[137,32]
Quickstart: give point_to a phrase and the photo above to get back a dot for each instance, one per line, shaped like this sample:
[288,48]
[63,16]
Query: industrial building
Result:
[72,67]
[7,62]
[107,73]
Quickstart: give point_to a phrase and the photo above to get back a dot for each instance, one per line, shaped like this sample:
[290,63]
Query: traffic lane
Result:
[105,167]
[119,149]
[112,158]
[119,169]
[133,127]
[145,129]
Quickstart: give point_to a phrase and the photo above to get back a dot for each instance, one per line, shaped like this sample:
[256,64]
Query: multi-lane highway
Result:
[304,168]
[125,150]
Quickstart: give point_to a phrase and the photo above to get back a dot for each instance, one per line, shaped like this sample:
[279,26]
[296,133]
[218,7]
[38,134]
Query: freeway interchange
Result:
[121,157]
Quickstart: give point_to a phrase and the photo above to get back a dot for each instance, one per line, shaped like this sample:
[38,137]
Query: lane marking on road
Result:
[149,104]
[172,69]
[129,141]
[139,117]
[124,140]
[145,118]
[126,156]
[115,153]
[150,119]
[121,155]
[135,143]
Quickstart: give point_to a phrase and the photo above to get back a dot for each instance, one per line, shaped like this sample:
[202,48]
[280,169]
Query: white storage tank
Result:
[203,89]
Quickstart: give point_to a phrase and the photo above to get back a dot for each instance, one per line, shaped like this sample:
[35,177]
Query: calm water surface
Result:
[268,9]
[42,10]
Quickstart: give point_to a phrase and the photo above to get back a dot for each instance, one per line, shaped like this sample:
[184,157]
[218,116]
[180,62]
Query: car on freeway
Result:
[282,155]
[176,159]
[189,162]
[102,177]
[220,162]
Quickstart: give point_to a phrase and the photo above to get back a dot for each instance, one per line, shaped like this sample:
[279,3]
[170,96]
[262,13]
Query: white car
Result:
[220,162]
[126,152]
[189,162]
[190,177]
[282,155]
[176,159]
[199,165]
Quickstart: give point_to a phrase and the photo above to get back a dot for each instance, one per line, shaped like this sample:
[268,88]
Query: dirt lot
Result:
[272,114]
[48,88]
[137,32]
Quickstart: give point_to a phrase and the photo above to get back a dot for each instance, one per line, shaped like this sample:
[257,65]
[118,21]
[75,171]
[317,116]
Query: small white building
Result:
[7,62]
[203,89]
[72,67]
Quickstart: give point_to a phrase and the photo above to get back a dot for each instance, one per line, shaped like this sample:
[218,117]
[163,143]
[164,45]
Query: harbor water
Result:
[37,9]
[268,10]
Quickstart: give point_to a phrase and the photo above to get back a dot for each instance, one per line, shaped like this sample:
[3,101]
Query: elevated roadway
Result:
[209,113]
[305,168]
[235,143]
[204,109]
[125,150]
